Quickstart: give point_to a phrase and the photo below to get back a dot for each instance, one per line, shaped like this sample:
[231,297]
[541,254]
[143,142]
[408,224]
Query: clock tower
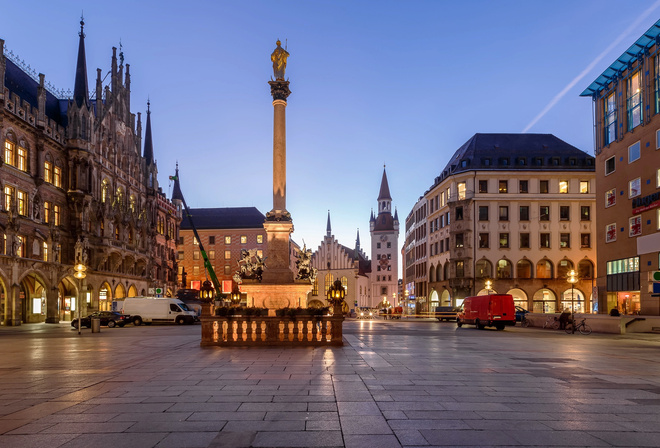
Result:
[384,249]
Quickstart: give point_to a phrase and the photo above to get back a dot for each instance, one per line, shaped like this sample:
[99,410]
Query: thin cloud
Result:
[589,67]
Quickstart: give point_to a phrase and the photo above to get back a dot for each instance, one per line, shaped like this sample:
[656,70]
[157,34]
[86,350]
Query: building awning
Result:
[625,61]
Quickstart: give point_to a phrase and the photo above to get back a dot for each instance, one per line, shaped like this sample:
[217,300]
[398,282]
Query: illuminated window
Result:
[503,186]
[565,240]
[315,287]
[504,240]
[563,186]
[461,191]
[260,253]
[227,240]
[260,238]
[227,255]
[21,205]
[56,214]
[117,233]
[585,213]
[9,197]
[329,279]
[195,242]
[211,255]
[44,251]
[57,176]
[181,255]
[48,171]
[47,211]
[132,206]
[9,153]
[584,186]
[243,239]
[195,270]
[195,255]
[21,160]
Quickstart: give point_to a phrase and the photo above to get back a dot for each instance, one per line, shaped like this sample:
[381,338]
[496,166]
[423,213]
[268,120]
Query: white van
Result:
[156,309]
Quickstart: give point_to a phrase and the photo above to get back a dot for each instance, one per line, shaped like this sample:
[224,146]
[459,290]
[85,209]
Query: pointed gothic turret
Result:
[148,143]
[357,241]
[80,91]
[176,190]
[384,198]
[328,228]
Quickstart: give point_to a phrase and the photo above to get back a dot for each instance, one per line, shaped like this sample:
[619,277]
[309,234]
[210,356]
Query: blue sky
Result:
[401,83]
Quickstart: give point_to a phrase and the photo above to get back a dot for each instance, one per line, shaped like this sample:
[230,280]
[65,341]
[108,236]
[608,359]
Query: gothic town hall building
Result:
[72,169]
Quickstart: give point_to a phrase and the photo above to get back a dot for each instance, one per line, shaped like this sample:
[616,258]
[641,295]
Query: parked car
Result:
[446,312]
[520,312]
[108,318]
[494,310]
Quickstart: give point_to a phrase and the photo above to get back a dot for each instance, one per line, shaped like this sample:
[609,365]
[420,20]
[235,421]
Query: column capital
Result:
[279,90]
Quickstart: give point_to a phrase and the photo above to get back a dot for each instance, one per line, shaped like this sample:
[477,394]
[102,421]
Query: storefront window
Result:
[544,301]
[577,302]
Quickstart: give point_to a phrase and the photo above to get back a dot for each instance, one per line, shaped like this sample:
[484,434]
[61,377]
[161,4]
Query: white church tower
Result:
[384,248]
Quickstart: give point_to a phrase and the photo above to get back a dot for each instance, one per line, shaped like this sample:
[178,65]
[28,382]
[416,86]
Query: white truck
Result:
[156,309]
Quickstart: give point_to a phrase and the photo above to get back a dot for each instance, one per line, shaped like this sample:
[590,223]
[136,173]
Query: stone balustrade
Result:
[298,331]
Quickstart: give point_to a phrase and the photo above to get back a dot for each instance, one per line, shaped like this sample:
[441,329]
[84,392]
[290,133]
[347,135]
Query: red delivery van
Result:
[495,310]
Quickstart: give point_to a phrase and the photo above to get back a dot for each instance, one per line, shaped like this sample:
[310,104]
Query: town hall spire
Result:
[80,91]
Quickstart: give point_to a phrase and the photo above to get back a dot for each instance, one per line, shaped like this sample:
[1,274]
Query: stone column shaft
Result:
[279,156]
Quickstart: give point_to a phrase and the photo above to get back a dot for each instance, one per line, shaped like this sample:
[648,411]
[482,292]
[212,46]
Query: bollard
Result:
[96,325]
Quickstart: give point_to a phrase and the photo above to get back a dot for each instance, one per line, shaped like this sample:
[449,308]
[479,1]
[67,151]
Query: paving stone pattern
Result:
[393,384]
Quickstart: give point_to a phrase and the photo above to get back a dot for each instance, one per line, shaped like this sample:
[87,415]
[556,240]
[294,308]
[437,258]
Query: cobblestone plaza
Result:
[393,384]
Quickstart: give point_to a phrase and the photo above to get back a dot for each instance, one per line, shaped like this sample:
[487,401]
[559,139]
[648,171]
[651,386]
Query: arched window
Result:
[563,268]
[544,269]
[432,274]
[438,273]
[524,268]
[315,287]
[344,282]
[545,301]
[483,269]
[585,269]
[504,268]
[329,279]
[445,274]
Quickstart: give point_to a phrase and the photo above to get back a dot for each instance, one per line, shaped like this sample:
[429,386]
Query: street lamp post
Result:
[489,286]
[80,268]
[572,279]
[336,294]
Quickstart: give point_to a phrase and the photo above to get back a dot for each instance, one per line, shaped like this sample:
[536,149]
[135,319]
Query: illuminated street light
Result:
[489,286]
[572,279]
[80,268]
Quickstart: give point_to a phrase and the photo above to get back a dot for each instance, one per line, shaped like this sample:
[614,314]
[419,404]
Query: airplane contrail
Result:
[584,72]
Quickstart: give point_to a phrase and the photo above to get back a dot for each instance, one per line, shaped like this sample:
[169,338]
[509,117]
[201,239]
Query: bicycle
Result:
[551,322]
[524,322]
[582,327]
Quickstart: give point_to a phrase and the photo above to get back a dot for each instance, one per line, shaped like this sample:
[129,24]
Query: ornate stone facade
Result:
[72,168]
